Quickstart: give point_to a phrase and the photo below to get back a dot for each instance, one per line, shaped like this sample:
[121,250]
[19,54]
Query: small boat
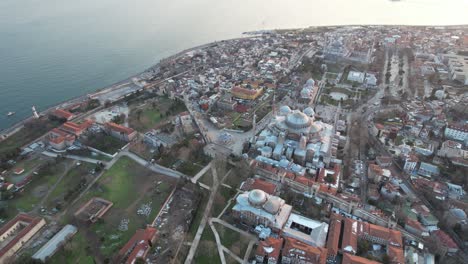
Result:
[10,113]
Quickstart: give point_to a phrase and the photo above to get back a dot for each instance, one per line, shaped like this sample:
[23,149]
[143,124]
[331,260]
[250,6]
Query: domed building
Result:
[259,208]
[295,135]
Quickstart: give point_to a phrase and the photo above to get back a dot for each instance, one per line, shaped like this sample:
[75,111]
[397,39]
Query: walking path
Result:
[225,224]
[44,199]
[218,243]
[201,173]
[249,250]
[74,157]
[152,166]
[204,220]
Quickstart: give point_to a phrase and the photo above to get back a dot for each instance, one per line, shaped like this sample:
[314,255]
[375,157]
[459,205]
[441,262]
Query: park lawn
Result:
[74,252]
[27,199]
[151,116]
[189,168]
[107,230]
[207,251]
[207,178]
[198,216]
[26,135]
[233,240]
[128,185]
[149,119]
[221,199]
[69,181]
[105,143]
[118,183]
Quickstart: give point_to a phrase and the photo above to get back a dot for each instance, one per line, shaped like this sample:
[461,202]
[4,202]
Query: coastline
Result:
[7,132]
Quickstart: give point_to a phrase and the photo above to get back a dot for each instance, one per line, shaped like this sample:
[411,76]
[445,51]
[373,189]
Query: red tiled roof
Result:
[304,180]
[119,128]
[445,239]
[263,185]
[351,259]
[396,255]
[297,249]
[352,229]
[138,245]
[62,114]
[271,248]
[393,236]
[334,234]
[31,221]
[415,224]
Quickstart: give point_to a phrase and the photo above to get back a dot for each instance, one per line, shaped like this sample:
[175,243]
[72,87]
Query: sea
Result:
[54,50]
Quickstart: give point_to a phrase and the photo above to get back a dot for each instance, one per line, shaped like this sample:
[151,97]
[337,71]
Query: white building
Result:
[458,67]
[354,76]
[309,231]
[259,208]
[457,132]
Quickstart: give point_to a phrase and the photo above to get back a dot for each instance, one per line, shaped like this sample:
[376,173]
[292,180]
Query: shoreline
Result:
[7,132]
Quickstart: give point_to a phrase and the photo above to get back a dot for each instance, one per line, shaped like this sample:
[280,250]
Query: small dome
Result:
[309,111]
[305,92]
[458,213]
[297,120]
[257,197]
[310,82]
[272,205]
[284,110]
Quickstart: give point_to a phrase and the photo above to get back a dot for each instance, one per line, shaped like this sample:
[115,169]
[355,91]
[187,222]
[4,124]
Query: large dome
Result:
[257,197]
[297,120]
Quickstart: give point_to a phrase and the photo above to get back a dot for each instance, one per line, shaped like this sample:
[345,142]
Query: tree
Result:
[385,259]
[329,178]
[138,113]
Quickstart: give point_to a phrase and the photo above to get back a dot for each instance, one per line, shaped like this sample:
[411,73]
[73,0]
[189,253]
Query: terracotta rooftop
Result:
[29,220]
[62,114]
[334,232]
[138,245]
[270,247]
[260,184]
[396,255]
[119,128]
[296,249]
[352,259]
[445,239]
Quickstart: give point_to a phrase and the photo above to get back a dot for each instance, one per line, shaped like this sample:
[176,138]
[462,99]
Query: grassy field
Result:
[32,194]
[75,251]
[198,216]
[147,117]
[221,199]
[207,178]
[128,185]
[207,252]
[28,133]
[233,240]
[68,183]
[105,143]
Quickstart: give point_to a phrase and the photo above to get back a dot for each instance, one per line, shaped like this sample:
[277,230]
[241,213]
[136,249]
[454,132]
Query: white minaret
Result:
[35,112]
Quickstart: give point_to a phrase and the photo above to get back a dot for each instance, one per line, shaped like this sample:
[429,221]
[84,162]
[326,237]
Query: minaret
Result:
[35,114]
[274,103]
[254,126]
